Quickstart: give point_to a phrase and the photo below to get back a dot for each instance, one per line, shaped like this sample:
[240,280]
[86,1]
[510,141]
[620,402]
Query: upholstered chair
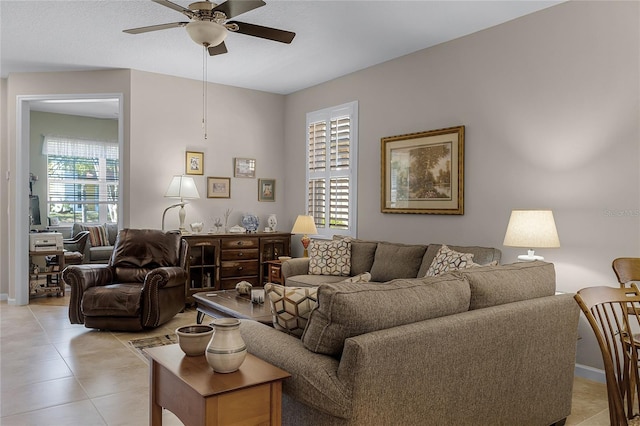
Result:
[142,286]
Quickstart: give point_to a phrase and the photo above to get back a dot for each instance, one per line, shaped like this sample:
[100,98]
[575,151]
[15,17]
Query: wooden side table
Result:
[275,274]
[189,388]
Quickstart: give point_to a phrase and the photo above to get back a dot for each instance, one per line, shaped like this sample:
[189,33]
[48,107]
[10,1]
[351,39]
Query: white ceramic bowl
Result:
[193,339]
[283,258]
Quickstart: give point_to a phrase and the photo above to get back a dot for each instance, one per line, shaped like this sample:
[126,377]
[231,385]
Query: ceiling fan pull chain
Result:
[204,90]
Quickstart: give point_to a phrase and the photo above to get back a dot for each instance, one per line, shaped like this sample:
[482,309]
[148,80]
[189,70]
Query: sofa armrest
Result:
[313,378]
[80,278]
[296,266]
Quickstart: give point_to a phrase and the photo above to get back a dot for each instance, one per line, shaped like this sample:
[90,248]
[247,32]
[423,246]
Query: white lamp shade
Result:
[532,229]
[304,225]
[206,33]
[183,187]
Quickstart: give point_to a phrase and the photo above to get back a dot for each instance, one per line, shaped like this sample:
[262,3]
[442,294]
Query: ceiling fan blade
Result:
[217,50]
[264,32]
[155,28]
[177,7]
[233,8]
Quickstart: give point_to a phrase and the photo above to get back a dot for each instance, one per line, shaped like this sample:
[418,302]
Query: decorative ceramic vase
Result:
[226,350]
[250,222]
[272,221]
[193,339]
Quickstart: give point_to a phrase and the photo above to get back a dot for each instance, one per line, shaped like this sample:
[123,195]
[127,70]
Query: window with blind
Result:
[332,169]
[82,180]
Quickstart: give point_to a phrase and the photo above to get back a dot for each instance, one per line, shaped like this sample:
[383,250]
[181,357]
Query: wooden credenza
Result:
[220,261]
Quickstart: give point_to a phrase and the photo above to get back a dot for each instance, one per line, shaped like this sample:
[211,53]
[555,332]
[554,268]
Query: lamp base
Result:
[305,243]
[529,257]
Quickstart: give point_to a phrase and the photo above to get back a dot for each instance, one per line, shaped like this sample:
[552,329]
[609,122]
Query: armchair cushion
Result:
[118,300]
[145,248]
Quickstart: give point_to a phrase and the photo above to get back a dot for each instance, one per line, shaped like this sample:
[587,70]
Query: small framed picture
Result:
[245,167]
[266,189]
[218,187]
[194,164]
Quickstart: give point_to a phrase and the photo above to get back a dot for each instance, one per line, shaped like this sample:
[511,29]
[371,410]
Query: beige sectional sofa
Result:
[489,345]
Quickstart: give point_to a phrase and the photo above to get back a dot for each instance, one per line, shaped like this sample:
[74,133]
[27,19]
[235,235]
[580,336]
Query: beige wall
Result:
[550,105]
[166,120]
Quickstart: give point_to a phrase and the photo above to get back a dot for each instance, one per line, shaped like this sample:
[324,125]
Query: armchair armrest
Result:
[163,291]
[80,278]
[164,277]
[296,266]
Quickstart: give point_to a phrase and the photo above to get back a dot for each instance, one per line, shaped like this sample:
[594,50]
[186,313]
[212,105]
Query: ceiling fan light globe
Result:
[206,32]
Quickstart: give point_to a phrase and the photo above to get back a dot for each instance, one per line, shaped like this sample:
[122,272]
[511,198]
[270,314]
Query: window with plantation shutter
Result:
[331,169]
[82,180]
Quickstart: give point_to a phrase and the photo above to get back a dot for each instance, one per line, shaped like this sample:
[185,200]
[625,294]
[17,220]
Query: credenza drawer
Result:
[239,268]
[241,242]
[242,254]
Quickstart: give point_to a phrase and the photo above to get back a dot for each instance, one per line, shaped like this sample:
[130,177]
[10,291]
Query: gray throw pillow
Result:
[396,261]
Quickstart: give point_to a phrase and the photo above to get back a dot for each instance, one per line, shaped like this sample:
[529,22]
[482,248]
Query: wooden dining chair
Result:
[614,316]
[627,269]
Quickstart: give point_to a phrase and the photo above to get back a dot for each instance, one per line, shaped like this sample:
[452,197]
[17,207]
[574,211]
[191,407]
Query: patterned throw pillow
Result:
[330,257]
[291,306]
[97,234]
[449,260]
[365,277]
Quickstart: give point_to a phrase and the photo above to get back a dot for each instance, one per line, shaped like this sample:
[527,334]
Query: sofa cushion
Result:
[497,285]
[350,309]
[97,234]
[330,257]
[481,255]
[365,277]
[290,306]
[449,260]
[396,261]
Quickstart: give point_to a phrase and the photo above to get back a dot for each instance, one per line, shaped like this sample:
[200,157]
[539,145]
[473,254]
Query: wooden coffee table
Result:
[228,304]
[189,388]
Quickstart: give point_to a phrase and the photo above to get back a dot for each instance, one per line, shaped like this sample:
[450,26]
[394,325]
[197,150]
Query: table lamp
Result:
[531,229]
[183,187]
[304,225]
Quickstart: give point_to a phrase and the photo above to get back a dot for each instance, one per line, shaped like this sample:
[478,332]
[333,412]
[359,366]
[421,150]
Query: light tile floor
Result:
[55,373]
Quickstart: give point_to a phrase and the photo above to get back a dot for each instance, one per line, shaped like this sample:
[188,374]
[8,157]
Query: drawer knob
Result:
[241,254]
[239,243]
[239,268]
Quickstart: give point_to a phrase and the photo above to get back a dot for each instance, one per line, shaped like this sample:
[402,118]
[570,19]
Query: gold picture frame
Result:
[218,187]
[423,173]
[194,163]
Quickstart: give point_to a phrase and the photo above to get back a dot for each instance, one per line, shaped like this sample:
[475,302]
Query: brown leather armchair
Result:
[142,286]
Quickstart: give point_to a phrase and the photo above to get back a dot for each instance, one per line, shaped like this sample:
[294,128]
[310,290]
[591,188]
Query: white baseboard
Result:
[590,373]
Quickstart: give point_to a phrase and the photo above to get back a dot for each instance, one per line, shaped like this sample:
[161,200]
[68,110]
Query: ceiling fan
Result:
[209,25]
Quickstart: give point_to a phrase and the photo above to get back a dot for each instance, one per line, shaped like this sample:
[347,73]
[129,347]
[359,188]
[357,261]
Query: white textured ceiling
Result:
[333,38]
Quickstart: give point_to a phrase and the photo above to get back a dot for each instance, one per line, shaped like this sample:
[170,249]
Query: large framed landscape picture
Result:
[423,173]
